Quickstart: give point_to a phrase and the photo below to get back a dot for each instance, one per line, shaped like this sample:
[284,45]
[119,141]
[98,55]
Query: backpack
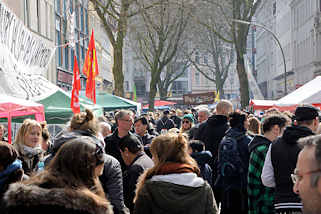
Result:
[229,164]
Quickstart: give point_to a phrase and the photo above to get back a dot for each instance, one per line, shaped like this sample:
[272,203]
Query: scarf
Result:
[173,168]
[11,168]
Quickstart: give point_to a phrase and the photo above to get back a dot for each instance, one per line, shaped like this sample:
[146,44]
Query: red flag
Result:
[90,69]
[76,86]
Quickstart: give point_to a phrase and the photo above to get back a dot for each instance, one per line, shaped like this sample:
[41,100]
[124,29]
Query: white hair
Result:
[106,125]
[204,110]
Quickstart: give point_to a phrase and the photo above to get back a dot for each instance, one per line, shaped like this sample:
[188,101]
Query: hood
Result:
[179,191]
[258,140]
[293,133]
[217,120]
[69,136]
[30,195]
[202,157]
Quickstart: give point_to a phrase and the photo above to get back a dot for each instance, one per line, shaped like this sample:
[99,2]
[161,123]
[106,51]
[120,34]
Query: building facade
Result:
[297,25]
[65,53]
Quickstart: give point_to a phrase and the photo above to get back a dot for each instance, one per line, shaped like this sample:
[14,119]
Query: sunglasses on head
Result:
[99,153]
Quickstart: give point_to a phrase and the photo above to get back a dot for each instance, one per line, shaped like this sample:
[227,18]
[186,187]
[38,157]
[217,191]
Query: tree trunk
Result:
[153,89]
[162,93]
[244,84]
[118,69]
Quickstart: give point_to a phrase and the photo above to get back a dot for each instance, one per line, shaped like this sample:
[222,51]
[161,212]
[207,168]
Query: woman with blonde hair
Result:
[174,184]
[70,184]
[28,146]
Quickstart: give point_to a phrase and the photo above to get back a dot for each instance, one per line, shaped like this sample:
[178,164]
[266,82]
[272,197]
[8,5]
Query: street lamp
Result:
[277,41]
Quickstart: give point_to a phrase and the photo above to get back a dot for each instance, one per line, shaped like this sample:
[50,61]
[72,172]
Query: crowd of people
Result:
[221,161]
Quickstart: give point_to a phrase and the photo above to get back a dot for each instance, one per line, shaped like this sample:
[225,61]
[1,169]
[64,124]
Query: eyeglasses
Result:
[298,177]
[129,120]
[186,121]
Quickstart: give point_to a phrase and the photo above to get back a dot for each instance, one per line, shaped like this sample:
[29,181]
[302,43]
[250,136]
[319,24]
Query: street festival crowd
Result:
[175,161]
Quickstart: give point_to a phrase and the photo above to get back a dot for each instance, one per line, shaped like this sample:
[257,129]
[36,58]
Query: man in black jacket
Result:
[137,162]
[164,124]
[281,160]
[124,121]
[211,133]
[176,119]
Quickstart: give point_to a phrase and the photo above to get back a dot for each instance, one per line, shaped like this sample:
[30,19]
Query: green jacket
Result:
[160,197]
[260,197]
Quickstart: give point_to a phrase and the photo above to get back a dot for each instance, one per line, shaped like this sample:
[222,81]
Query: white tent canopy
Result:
[309,93]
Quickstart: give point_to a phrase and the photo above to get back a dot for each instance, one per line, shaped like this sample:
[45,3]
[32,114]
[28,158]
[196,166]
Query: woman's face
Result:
[186,124]
[32,137]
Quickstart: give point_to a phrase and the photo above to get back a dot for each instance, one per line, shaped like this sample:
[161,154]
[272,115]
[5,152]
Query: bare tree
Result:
[219,54]
[157,35]
[175,69]
[115,15]
[226,12]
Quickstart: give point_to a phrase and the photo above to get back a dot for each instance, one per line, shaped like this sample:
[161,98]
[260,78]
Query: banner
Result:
[201,98]
[253,86]
[24,58]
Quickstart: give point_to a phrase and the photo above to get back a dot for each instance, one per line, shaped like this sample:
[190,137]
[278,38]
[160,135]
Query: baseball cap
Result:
[303,113]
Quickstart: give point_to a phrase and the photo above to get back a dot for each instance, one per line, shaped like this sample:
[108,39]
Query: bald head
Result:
[224,107]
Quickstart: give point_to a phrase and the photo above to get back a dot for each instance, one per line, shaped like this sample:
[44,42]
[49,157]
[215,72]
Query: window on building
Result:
[82,18]
[197,57]
[70,6]
[274,8]
[72,58]
[26,13]
[57,7]
[197,78]
[67,57]
[77,16]
[205,59]
[59,55]
[86,21]
[38,16]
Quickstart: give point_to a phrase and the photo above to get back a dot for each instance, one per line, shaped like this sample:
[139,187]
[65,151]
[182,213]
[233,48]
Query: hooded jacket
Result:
[175,193]
[284,155]
[211,132]
[21,198]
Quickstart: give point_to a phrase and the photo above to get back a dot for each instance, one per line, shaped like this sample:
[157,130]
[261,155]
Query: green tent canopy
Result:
[58,111]
[109,102]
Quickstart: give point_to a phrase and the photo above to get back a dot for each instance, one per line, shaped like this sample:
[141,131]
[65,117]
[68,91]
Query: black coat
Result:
[177,121]
[164,123]
[112,147]
[112,182]
[284,155]
[131,175]
[21,199]
[211,132]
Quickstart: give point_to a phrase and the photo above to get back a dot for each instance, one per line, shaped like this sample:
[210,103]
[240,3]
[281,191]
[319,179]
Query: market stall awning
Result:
[11,107]
[160,103]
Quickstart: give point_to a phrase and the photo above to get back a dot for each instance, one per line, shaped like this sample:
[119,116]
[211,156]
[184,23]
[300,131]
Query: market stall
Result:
[11,107]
